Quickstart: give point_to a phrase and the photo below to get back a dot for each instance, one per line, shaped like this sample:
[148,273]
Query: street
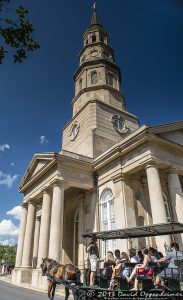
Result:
[9,292]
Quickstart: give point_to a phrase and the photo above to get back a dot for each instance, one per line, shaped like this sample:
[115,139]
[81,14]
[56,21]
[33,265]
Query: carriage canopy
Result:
[137,232]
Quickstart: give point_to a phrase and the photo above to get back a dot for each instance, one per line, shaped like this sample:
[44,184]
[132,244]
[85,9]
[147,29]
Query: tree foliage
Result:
[8,253]
[16,33]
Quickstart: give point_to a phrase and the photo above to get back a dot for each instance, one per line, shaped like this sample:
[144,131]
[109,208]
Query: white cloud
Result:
[12,164]
[7,179]
[8,229]
[43,139]
[9,242]
[15,212]
[4,147]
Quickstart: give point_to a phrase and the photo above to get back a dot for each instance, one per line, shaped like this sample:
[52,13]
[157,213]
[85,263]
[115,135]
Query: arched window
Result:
[107,218]
[110,79]
[80,84]
[94,39]
[94,77]
[167,207]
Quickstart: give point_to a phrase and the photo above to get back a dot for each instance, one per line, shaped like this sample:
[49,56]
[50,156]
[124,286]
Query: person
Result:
[117,254]
[171,257]
[133,257]
[109,264]
[118,269]
[153,254]
[93,251]
[140,256]
[140,269]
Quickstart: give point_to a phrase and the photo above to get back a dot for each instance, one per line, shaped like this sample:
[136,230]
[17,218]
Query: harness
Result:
[53,266]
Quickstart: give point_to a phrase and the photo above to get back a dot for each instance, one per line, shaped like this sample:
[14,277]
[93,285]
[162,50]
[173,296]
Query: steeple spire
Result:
[95,20]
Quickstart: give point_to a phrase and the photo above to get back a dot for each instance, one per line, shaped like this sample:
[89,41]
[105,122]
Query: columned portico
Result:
[45,227]
[21,236]
[56,228]
[176,196]
[157,203]
[29,233]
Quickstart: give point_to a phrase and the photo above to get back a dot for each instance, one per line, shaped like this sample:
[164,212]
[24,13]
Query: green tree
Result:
[8,253]
[16,33]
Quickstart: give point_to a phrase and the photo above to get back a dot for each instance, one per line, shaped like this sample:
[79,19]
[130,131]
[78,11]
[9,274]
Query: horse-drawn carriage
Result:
[70,275]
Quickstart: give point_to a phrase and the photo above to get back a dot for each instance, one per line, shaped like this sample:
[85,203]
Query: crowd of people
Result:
[115,265]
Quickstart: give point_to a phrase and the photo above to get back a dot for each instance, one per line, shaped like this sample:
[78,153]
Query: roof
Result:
[137,232]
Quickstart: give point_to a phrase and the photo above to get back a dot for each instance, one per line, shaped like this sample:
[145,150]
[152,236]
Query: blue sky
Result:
[35,96]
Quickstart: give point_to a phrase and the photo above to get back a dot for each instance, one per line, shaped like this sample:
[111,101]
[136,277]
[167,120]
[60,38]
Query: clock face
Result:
[119,124]
[94,53]
[74,131]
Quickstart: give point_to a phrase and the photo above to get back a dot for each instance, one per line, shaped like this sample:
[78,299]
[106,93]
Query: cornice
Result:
[130,143]
[81,164]
[102,61]
[46,156]
[99,102]
[96,88]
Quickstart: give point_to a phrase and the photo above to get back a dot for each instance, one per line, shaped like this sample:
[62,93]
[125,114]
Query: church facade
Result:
[111,173]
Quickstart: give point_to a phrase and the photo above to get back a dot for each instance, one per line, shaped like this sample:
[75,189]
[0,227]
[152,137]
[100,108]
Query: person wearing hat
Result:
[93,251]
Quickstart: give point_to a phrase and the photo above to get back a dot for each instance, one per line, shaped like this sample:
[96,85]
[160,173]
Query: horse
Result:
[65,272]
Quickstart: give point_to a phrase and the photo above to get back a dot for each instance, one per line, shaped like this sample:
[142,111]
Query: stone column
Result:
[45,227]
[29,234]
[56,229]
[157,203]
[121,206]
[21,236]
[36,241]
[176,196]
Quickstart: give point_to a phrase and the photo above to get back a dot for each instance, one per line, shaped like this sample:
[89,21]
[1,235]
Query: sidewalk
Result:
[60,291]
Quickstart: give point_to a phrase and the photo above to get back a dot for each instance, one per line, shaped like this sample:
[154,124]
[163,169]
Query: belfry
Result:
[111,172]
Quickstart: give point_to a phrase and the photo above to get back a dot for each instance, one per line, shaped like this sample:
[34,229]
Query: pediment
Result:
[172,132]
[38,162]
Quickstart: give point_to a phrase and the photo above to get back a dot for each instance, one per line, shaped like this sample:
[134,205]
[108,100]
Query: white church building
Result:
[111,172]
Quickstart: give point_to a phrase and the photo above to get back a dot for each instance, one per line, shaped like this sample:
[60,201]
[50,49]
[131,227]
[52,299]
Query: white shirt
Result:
[135,259]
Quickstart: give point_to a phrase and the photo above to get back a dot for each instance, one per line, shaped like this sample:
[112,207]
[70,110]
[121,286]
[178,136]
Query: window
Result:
[80,85]
[94,39]
[119,124]
[110,79]
[107,218]
[167,208]
[94,77]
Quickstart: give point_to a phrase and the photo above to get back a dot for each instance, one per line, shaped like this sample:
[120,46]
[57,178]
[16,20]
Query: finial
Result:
[95,20]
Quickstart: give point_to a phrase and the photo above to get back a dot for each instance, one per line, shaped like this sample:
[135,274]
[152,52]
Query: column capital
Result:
[31,201]
[46,190]
[118,177]
[144,181]
[38,218]
[173,170]
[24,205]
[151,165]
[57,182]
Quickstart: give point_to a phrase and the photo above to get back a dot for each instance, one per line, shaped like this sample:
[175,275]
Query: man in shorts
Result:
[171,257]
[93,251]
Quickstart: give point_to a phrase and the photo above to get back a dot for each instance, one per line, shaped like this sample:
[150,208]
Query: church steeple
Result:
[100,118]
[98,73]
[95,20]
